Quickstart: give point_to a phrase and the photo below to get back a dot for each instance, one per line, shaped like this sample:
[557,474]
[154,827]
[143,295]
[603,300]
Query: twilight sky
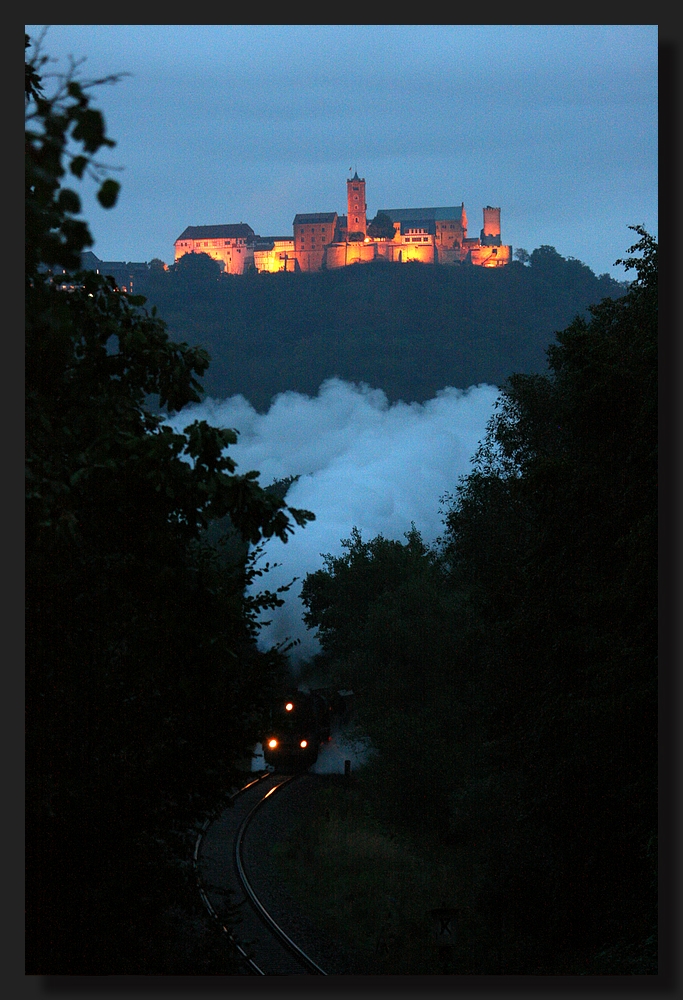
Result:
[556,124]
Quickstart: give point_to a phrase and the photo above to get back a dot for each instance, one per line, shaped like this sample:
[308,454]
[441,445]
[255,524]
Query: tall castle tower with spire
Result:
[356,219]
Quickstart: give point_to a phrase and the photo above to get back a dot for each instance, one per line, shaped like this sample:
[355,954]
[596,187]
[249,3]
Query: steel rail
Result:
[253,967]
[262,912]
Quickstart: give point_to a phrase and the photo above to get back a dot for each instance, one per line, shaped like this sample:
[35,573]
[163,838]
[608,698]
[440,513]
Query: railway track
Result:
[223,873]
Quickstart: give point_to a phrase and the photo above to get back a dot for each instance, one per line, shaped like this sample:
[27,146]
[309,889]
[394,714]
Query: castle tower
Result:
[491,228]
[356,207]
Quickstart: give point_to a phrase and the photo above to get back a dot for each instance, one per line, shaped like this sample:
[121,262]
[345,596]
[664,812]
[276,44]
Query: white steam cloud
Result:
[361,462]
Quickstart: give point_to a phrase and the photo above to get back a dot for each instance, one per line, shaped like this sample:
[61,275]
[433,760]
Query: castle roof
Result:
[313,217]
[268,242]
[91,262]
[239,230]
[423,214]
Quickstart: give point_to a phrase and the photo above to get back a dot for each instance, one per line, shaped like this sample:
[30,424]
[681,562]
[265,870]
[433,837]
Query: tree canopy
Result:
[144,682]
[407,330]
[198,267]
[381,227]
[519,657]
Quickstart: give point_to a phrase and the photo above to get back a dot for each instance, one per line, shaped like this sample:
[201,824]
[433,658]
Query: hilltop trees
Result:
[197,268]
[381,227]
[143,678]
[408,330]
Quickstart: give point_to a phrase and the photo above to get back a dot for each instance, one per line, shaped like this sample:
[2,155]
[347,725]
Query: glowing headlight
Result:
[272,744]
[289,706]
[303,744]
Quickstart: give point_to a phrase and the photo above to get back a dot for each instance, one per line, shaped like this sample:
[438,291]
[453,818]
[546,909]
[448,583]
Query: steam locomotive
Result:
[299,722]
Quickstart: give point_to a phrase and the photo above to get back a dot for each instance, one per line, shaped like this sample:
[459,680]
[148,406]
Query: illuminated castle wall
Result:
[324,240]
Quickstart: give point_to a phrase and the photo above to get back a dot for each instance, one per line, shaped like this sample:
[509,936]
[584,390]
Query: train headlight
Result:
[303,744]
[272,744]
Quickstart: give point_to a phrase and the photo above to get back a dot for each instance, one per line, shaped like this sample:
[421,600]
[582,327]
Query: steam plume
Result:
[361,462]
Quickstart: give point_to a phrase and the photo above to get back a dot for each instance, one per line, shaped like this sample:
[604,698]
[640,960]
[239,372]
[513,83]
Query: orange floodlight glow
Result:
[303,744]
[272,744]
[289,706]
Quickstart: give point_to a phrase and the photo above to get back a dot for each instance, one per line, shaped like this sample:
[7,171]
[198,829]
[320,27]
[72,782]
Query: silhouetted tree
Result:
[143,677]
[198,267]
[381,227]
[554,538]
[520,656]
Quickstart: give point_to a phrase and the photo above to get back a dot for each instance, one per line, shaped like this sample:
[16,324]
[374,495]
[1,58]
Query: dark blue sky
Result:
[556,124]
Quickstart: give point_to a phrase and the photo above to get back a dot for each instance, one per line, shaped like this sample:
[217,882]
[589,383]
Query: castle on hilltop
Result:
[323,240]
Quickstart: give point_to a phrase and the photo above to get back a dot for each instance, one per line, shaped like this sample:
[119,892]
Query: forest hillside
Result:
[409,330]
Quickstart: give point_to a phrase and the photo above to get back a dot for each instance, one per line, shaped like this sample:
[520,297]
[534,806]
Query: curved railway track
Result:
[224,872]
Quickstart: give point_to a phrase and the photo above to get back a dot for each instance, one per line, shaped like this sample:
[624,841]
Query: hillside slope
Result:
[407,329]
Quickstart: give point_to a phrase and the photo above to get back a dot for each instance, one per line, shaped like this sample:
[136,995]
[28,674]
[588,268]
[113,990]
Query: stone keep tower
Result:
[356,208]
[491,231]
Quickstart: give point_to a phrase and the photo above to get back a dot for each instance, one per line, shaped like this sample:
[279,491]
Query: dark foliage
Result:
[196,269]
[521,658]
[407,329]
[386,619]
[381,227]
[143,679]
[555,535]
